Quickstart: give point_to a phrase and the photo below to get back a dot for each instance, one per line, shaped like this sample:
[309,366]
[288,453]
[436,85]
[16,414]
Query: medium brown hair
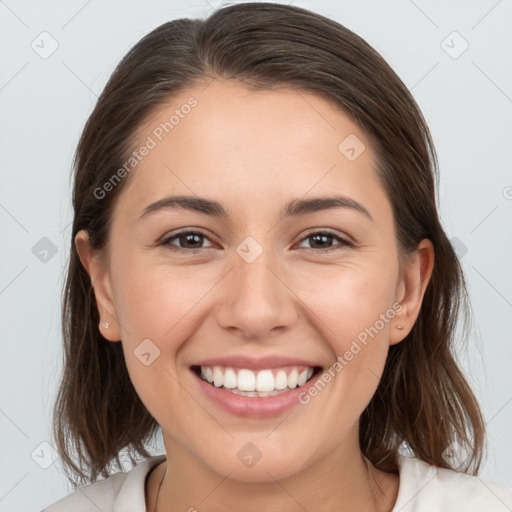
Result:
[423,400]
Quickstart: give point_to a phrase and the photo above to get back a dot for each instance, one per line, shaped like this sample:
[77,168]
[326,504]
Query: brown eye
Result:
[188,240]
[321,241]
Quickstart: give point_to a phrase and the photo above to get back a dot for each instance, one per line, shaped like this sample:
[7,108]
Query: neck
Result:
[341,480]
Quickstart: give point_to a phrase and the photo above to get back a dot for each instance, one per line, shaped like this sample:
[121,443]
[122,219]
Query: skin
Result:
[263,149]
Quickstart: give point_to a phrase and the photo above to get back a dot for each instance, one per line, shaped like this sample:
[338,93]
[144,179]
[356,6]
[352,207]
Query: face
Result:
[264,293]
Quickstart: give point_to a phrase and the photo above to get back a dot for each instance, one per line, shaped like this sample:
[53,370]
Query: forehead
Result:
[226,141]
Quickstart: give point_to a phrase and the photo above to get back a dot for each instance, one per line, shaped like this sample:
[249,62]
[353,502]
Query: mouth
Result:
[262,383]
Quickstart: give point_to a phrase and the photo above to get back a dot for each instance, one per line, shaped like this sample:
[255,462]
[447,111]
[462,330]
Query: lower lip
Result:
[254,407]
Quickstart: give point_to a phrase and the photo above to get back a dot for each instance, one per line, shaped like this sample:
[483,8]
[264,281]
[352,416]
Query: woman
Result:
[258,268]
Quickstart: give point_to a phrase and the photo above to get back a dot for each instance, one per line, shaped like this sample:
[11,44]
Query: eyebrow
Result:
[294,208]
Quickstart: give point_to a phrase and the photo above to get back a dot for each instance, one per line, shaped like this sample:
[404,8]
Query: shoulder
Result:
[427,488]
[121,491]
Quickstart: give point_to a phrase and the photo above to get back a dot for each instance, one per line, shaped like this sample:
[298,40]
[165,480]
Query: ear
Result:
[411,289]
[100,280]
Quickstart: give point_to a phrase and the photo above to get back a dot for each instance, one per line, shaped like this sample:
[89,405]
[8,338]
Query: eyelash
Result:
[343,242]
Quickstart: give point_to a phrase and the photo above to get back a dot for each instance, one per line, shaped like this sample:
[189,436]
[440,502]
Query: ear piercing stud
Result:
[106,325]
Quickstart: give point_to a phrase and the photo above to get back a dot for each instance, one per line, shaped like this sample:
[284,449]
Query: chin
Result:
[245,462]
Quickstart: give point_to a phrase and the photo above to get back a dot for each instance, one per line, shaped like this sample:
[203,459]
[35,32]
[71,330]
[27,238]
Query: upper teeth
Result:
[263,380]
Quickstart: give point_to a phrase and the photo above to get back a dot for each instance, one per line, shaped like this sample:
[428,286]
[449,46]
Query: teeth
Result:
[303,377]
[246,380]
[230,378]
[256,393]
[263,383]
[218,377]
[292,378]
[281,380]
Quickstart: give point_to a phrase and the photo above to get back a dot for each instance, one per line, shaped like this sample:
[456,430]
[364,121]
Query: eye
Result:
[191,240]
[324,237]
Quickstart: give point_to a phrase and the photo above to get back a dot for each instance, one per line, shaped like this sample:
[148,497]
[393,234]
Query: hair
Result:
[423,400]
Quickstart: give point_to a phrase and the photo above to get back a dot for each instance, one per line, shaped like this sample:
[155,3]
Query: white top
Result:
[422,488]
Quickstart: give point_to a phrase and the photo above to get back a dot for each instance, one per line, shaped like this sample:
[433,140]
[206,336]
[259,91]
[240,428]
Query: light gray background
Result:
[44,103]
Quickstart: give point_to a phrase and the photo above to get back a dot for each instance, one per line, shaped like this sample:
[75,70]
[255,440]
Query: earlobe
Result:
[100,281]
[412,287]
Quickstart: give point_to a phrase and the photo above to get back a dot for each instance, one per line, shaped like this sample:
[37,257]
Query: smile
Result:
[262,383]
[252,387]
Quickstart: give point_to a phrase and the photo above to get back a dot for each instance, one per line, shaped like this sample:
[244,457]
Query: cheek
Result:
[155,300]
[353,309]
[156,308]
[163,304]
[346,301]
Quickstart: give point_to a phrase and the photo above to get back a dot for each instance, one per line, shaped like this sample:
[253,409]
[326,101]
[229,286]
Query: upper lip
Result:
[252,363]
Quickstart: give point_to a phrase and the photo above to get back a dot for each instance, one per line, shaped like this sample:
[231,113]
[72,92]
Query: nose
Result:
[257,302]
